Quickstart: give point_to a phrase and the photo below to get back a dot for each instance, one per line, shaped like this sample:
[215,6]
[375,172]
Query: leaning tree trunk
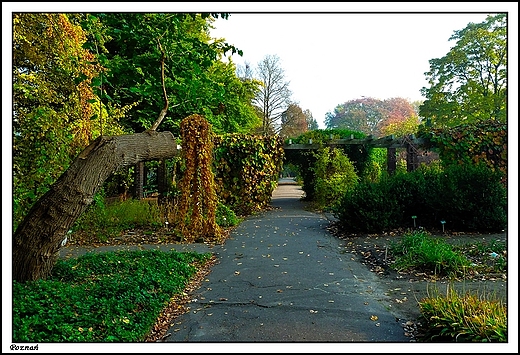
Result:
[38,239]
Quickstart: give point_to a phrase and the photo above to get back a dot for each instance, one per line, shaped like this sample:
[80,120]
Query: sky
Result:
[331,58]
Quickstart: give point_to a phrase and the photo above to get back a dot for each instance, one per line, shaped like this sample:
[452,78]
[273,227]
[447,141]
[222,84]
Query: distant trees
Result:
[312,124]
[469,84]
[274,96]
[373,116]
[293,122]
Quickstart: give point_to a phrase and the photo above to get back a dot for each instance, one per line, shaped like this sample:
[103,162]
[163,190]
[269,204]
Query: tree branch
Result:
[165,108]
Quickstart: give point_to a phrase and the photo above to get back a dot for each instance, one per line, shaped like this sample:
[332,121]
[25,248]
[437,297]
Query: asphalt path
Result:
[281,277]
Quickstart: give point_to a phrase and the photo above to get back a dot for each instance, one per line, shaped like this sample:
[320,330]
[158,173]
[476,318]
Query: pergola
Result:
[410,142]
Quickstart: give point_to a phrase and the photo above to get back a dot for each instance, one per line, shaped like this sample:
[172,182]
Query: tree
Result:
[293,122]
[312,124]
[233,98]
[400,118]
[469,84]
[362,115]
[53,76]
[274,96]
[53,102]
[133,57]
[38,239]
[371,116]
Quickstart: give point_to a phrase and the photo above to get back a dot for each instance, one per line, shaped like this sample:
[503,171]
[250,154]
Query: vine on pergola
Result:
[199,201]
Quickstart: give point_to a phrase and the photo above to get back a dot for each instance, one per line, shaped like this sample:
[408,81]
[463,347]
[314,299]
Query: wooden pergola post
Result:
[411,158]
[391,160]
[139,180]
[162,184]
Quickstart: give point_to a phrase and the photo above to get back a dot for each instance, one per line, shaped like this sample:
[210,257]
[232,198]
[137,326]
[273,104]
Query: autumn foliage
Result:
[247,170]
[199,201]
[476,143]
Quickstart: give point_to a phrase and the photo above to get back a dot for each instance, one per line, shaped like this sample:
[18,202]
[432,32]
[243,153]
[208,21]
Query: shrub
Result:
[367,207]
[225,216]
[463,318]
[474,198]
[465,197]
[334,176]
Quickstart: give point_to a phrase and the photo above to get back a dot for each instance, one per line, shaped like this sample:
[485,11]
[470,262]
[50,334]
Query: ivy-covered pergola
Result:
[391,143]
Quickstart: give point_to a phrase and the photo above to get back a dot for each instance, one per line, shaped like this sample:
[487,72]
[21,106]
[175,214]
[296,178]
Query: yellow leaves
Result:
[374,318]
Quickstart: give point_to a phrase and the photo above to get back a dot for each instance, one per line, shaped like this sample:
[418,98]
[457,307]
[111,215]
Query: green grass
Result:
[105,297]
[463,318]
[419,250]
[105,222]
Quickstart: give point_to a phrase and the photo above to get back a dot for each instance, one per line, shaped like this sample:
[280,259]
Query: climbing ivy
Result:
[247,170]
[198,203]
[305,160]
[475,143]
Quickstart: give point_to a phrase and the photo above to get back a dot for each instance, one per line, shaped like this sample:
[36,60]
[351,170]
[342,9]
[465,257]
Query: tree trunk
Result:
[38,239]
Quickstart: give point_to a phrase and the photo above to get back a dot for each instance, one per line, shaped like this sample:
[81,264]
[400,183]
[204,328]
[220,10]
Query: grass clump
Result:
[105,297]
[108,221]
[463,318]
[418,250]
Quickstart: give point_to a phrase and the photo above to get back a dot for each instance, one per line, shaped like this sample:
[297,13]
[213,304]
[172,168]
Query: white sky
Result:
[329,59]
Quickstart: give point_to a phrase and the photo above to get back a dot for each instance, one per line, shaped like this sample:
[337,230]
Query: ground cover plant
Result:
[134,221]
[102,297]
[463,318]
[419,250]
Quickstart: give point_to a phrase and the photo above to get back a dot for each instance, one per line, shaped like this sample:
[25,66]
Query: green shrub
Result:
[465,197]
[225,216]
[103,297]
[463,318]
[474,198]
[367,207]
[334,176]
[418,250]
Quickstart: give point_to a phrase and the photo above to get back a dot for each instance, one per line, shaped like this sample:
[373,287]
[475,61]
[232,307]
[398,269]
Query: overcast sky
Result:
[332,58]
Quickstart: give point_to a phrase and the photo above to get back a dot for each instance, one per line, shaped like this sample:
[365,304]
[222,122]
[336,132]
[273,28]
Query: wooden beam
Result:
[385,142]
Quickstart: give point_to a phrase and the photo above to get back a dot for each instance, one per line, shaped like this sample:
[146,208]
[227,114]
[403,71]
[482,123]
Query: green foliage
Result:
[196,81]
[466,197]
[107,297]
[247,169]
[481,142]
[464,318]
[225,216]
[305,160]
[469,84]
[418,250]
[334,176]
[368,207]
[51,109]
[105,222]
[199,201]
[376,165]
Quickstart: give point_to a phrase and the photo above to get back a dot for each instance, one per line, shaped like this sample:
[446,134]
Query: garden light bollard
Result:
[443,222]
[414,217]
